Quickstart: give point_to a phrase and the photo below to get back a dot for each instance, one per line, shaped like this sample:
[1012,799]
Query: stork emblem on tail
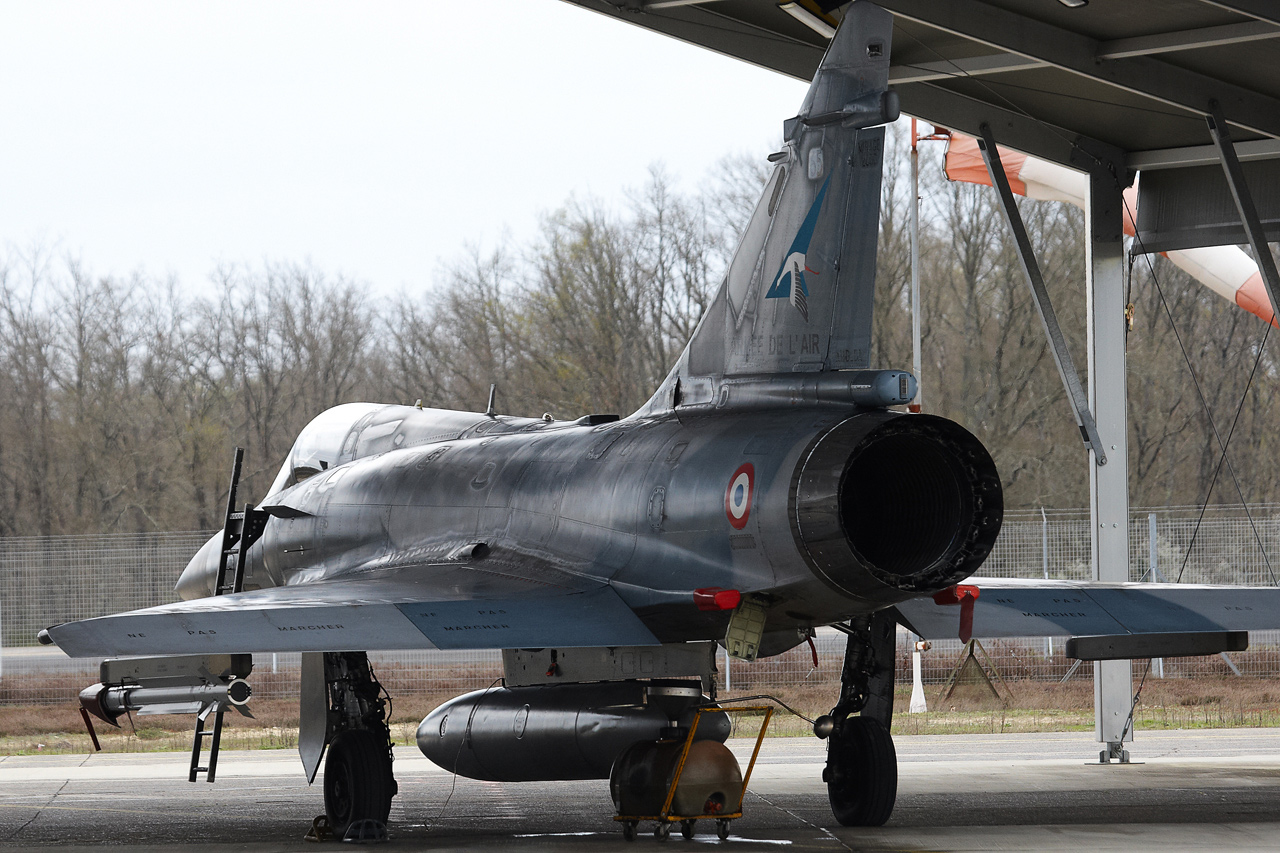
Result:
[789,283]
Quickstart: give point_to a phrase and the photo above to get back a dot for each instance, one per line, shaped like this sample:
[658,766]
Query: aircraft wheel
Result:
[357,780]
[862,781]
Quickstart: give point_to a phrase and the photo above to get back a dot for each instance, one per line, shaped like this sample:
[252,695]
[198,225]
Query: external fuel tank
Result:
[554,732]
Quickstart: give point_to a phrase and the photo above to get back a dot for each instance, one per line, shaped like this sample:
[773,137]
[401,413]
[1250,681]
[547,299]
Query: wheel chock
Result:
[320,829]
[367,831]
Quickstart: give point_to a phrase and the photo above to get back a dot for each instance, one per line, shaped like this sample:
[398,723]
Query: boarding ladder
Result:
[240,529]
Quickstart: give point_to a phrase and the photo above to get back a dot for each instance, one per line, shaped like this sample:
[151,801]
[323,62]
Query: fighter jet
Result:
[768,487]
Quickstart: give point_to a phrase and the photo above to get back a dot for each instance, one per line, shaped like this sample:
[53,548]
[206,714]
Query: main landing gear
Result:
[358,785]
[862,766]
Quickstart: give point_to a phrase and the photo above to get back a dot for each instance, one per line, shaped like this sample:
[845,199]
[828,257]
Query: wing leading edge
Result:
[1008,607]
[360,615]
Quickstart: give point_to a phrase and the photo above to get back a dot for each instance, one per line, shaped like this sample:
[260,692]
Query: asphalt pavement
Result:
[1202,790]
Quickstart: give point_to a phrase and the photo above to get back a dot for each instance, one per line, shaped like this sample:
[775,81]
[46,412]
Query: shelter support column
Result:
[1108,482]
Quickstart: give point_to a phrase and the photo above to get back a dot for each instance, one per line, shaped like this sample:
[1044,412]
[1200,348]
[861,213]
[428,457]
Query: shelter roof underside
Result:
[1124,81]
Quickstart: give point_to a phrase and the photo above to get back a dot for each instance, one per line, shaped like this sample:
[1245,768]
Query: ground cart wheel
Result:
[629,829]
[662,831]
[686,828]
[722,829]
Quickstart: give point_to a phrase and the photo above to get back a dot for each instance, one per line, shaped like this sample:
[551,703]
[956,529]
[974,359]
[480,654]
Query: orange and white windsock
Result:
[1226,270]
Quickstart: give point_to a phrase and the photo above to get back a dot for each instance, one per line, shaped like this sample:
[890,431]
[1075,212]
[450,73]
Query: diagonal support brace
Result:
[1244,204]
[1040,296]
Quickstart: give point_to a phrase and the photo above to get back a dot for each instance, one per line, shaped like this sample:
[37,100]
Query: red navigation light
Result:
[956,594]
[715,598]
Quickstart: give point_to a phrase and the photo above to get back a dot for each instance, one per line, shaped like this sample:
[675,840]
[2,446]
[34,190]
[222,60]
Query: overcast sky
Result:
[374,139]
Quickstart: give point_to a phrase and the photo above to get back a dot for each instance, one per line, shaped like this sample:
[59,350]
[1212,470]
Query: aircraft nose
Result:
[198,578]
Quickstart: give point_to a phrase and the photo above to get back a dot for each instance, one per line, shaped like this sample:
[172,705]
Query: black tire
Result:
[687,828]
[629,830]
[862,778]
[722,830]
[357,780]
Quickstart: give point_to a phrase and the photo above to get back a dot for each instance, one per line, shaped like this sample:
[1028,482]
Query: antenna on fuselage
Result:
[493,395]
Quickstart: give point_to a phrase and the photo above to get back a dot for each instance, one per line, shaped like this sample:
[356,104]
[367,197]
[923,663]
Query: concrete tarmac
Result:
[1201,790]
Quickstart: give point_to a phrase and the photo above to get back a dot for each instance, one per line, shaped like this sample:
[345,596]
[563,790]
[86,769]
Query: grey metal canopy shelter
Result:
[1185,92]
[1129,77]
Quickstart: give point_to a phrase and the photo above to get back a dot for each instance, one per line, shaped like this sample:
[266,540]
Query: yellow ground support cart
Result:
[692,780]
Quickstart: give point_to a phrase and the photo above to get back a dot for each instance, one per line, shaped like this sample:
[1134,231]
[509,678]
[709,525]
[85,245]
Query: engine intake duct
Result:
[886,503]
[559,732]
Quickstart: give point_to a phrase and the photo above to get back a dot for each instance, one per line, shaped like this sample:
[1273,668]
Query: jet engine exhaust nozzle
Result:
[908,502]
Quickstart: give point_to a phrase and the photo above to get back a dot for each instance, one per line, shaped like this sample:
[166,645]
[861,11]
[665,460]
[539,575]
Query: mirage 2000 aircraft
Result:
[767,488]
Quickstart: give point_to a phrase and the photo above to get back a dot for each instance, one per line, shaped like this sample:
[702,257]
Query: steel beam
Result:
[972,66]
[1261,10]
[1187,40]
[1200,155]
[1040,295]
[1077,53]
[1108,485]
[1018,131]
[1244,203]
[647,5]
[998,63]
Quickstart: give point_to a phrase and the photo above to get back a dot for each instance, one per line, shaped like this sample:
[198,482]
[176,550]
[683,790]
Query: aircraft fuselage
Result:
[772,502]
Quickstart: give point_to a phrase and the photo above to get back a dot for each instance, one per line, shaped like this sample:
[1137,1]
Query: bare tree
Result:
[126,395]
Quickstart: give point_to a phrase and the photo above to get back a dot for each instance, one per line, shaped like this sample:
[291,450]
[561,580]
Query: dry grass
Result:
[34,729]
[1038,706]
[1030,706]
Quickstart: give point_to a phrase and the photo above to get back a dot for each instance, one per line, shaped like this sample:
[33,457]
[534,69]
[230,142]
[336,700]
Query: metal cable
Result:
[773,699]
[1204,402]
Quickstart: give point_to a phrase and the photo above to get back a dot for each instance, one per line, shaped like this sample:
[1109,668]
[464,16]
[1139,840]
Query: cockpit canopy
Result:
[321,444]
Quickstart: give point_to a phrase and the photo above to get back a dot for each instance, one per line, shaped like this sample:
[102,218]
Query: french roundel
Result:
[737,498]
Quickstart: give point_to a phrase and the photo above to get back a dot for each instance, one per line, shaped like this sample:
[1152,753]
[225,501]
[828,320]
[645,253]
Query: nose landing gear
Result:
[358,783]
[357,780]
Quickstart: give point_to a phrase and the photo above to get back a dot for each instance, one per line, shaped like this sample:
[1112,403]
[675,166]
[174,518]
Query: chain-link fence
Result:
[1226,546]
[44,581]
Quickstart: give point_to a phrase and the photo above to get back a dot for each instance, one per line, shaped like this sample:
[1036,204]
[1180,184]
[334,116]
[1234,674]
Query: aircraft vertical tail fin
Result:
[798,294]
